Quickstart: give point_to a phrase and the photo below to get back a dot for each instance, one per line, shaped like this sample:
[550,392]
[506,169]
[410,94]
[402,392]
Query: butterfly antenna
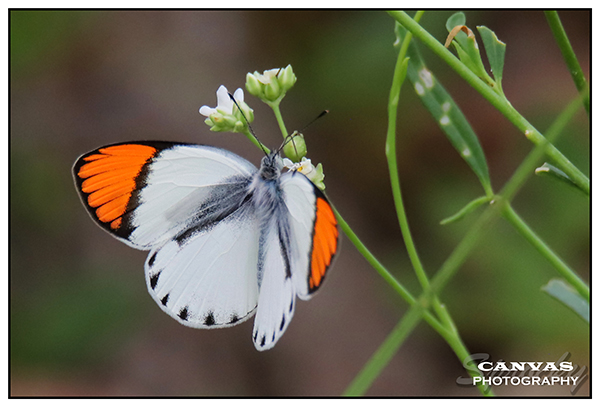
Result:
[323,113]
[262,147]
[289,138]
[298,132]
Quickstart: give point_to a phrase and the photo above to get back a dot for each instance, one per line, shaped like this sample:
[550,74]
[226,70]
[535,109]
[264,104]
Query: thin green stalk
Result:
[460,253]
[257,143]
[275,107]
[519,224]
[383,272]
[365,378]
[390,152]
[525,169]
[451,336]
[463,354]
[569,56]
[380,359]
[495,99]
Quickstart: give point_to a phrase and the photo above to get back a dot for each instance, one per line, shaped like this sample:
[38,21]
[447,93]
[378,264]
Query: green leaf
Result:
[470,207]
[466,47]
[551,171]
[495,50]
[448,115]
[455,19]
[566,294]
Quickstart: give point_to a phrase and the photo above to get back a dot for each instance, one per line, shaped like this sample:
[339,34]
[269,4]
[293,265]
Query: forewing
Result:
[314,233]
[208,278]
[146,192]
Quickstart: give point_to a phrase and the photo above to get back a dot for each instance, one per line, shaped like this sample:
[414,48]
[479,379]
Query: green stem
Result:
[383,272]
[254,141]
[381,358]
[569,56]
[463,354]
[519,224]
[525,169]
[386,275]
[275,107]
[384,353]
[372,369]
[460,253]
[390,152]
[494,98]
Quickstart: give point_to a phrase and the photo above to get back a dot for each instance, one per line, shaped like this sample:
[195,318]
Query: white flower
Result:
[305,166]
[224,102]
[266,77]
[226,117]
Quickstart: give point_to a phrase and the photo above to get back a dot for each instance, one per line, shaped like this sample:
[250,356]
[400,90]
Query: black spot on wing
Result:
[282,323]
[263,340]
[154,280]
[234,319]
[255,336]
[164,300]
[292,305]
[273,339]
[209,319]
[152,259]
[183,313]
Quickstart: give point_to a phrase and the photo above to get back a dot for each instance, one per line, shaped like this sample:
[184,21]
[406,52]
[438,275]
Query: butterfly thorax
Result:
[265,187]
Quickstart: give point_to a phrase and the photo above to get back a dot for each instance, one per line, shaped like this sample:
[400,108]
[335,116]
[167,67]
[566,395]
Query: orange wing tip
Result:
[325,241]
[130,150]
[109,179]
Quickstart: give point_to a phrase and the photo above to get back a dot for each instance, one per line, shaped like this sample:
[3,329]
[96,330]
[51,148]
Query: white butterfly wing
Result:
[276,300]
[146,192]
[208,279]
[314,233]
[185,203]
[296,248]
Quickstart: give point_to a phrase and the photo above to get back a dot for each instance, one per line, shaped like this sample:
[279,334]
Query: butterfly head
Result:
[270,166]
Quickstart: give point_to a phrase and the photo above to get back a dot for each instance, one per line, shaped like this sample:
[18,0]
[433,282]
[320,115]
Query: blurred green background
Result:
[81,320]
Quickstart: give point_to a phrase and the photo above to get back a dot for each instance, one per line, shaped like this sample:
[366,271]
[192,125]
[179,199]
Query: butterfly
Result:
[226,240]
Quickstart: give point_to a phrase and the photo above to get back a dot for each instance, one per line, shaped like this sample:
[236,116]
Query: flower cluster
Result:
[272,85]
[234,115]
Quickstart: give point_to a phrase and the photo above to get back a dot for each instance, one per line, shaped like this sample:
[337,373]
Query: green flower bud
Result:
[295,149]
[253,85]
[286,77]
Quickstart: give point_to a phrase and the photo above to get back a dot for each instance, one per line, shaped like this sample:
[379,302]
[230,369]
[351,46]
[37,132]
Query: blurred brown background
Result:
[81,320]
